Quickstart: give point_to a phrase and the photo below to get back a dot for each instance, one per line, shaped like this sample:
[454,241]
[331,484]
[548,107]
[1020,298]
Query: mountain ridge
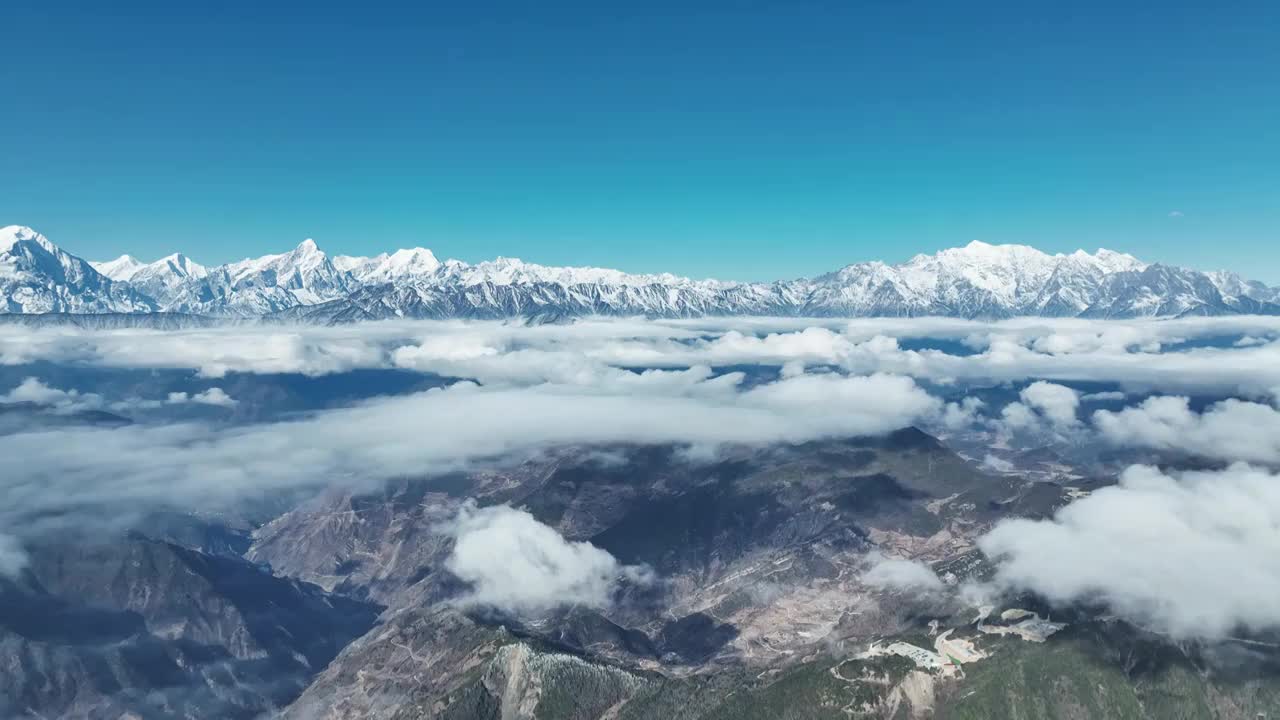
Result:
[976,281]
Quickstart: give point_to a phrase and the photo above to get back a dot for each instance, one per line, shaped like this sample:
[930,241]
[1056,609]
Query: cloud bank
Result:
[1152,548]
[1227,430]
[1236,355]
[1192,554]
[65,477]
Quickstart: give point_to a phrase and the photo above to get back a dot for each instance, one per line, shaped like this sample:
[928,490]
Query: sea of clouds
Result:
[1204,386]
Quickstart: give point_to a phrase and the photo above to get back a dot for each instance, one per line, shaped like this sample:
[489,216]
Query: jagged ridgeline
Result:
[305,284]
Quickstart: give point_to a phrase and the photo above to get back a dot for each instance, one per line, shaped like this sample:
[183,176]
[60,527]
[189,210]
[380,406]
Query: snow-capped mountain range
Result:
[304,284]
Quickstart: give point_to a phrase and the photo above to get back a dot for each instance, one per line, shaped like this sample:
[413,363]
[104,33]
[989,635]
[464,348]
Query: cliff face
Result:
[155,628]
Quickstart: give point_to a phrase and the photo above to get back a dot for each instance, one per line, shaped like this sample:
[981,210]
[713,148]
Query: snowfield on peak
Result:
[978,280]
[37,276]
[121,269]
[389,267]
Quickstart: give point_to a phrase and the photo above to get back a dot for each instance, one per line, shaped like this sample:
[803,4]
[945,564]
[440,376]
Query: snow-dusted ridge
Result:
[975,281]
[37,276]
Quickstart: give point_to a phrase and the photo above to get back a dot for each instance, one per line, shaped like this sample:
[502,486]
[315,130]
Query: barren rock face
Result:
[89,631]
[757,557]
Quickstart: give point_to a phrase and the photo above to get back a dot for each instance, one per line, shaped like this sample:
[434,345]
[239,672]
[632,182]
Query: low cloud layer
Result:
[1234,355]
[35,392]
[521,566]
[67,476]
[1192,554]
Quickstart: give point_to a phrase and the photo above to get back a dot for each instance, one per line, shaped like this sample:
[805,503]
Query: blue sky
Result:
[743,140]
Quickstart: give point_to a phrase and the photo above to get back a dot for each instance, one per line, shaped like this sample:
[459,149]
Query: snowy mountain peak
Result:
[1114,261]
[514,271]
[130,269]
[122,268]
[182,266]
[387,267]
[982,254]
[985,249]
[11,235]
[415,257]
[979,251]
[306,255]
[977,280]
[37,276]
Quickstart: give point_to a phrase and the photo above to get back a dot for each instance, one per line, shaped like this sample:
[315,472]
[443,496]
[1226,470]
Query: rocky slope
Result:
[104,629]
[763,607]
[759,556]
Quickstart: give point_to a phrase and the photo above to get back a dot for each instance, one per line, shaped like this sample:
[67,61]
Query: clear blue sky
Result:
[748,140]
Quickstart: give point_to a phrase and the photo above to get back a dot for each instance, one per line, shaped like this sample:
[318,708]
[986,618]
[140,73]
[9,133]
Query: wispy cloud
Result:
[69,476]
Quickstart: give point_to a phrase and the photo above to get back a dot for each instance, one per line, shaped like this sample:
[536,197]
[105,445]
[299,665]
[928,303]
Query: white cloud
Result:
[1017,417]
[578,383]
[896,574]
[997,464]
[1227,430]
[1057,403]
[1175,213]
[33,390]
[52,472]
[961,415]
[1192,554]
[519,565]
[213,396]
[1042,407]
[822,405]
[1128,352]
[213,352]
[13,558]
